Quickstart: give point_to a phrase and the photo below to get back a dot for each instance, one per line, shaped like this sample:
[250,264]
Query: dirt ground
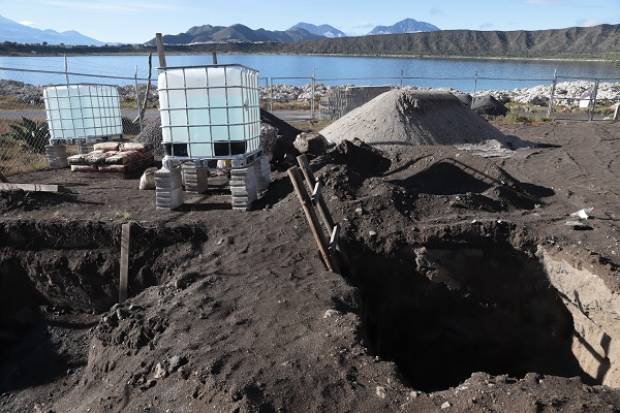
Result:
[234,312]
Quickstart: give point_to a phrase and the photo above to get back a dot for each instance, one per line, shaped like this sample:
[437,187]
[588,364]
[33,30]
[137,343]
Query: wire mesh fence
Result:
[24,132]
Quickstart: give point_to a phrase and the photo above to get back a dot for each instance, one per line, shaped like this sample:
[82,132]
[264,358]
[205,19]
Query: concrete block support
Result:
[56,155]
[243,186]
[168,188]
[85,146]
[195,177]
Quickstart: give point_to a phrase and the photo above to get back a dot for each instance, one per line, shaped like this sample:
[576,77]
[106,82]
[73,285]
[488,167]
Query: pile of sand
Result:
[410,118]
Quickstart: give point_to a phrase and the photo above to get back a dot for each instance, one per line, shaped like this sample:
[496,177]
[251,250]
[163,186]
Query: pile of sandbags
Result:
[113,157]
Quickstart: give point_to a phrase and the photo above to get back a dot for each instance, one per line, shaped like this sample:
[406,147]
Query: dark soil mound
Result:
[151,134]
[488,105]
[29,201]
[286,136]
[359,157]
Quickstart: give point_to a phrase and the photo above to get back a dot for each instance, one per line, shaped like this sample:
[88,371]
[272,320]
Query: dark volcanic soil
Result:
[443,304]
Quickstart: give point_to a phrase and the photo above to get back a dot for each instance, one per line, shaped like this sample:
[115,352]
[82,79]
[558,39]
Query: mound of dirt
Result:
[411,118]
[488,105]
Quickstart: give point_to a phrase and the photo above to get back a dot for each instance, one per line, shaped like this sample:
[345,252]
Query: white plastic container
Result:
[209,112]
[82,111]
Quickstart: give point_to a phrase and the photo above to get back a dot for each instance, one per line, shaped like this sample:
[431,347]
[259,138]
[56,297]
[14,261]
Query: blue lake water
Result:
[332,70]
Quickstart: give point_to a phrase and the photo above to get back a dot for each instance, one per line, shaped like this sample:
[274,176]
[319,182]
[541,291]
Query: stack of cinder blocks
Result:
[56,155]
[168,188]
[85,146]
[196,176]
[243,185]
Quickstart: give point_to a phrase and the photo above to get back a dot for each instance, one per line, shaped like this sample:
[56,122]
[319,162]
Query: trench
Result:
[52,269]
[446,310]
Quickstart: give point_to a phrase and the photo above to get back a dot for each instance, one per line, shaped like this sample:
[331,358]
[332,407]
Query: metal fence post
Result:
[271,94]
[66,70]
[593,97]
[552,97]
[138,98]
[313,89]
[617,113]
[402,77]
[475,82]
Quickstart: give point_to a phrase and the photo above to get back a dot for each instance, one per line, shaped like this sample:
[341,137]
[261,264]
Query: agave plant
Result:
[34,134]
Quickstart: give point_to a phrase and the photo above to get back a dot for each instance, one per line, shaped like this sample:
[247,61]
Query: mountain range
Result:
[239,33]
[324,30]
[11,31]
[406,26]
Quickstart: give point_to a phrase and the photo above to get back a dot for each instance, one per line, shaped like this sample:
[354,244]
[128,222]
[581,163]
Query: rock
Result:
[381,392]
[372,234]
[331,313]
[311,143]
[160,372]
[446,405]
[268,139]
[175,362]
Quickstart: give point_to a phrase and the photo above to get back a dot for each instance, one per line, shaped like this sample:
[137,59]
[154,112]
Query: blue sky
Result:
[137,21]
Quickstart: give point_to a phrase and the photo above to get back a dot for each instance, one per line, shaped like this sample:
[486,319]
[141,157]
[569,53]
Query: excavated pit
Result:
[54,272]
[444,311]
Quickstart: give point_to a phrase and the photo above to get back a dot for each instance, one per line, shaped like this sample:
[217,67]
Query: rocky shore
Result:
[566,93]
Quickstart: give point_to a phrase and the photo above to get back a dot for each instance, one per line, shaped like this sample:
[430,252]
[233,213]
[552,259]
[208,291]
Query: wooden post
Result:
[617,112]
[29,187]
[138,106]
[313,221]
[160,50]
[311,180]
[125,250]
[214,57]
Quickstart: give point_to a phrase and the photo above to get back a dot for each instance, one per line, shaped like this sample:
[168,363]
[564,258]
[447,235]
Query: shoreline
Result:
[341,55]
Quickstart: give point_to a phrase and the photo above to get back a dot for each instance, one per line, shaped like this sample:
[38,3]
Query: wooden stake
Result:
[617,113]
[161,52]
[311,180]
[313,221]
[29,187]
[125,250]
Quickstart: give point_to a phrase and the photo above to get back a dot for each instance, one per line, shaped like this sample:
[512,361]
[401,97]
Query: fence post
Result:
[313,89]
[475,82]
[402,76]
[593,97]
[138,106]
[552,97]
[617,113]
[270,94]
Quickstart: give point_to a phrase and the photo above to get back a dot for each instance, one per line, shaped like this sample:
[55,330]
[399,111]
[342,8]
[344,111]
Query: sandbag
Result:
[147,180]
[83,168]
[106,146]
[132,146]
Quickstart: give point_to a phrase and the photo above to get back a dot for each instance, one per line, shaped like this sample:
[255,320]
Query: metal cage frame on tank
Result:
[224,137]
[247,147]
[96,125]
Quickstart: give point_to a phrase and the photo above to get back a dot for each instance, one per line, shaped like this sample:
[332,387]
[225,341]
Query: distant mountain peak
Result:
[406,26]
[324,30]
[12,31]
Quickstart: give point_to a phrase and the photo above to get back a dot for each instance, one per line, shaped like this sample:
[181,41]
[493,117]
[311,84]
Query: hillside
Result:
[590,42]
[11,31]
[237,33]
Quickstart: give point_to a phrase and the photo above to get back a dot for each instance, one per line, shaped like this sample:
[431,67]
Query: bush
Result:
[35,134]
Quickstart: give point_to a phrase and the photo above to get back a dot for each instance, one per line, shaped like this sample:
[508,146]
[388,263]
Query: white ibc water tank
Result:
[82,111]
[209,111]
